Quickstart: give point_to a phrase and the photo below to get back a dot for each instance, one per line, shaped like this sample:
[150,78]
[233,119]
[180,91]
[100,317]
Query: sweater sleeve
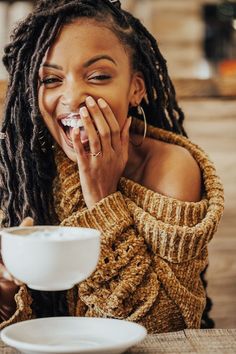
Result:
[22,311]
[176,230]
[132,280]
[124,261]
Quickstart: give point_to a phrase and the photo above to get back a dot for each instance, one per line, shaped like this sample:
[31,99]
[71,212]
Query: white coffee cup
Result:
[47,262]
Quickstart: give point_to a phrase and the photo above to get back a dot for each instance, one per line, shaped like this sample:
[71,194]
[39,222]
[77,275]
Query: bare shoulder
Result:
[171,170]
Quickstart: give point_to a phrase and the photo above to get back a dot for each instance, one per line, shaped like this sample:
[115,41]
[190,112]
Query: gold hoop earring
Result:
[141,112]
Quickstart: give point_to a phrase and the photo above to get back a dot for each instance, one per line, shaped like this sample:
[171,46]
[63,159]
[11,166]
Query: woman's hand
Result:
[101,168]
[3,271]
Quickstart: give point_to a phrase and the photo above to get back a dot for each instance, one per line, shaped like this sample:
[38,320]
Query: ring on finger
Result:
[95,154]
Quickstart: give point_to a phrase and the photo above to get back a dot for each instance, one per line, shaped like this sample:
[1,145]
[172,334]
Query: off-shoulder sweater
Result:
[153,248]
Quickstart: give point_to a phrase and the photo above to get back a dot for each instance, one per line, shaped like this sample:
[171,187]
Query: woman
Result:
[72,155]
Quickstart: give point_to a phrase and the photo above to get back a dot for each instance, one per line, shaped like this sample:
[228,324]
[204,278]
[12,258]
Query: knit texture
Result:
[153,247]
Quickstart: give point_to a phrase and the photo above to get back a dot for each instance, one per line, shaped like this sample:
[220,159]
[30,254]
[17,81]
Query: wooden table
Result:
[189,341]
[193,341]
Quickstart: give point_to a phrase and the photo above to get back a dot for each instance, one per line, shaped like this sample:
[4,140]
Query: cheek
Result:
[46,107]
[46,102]
[121,116]
[120,108]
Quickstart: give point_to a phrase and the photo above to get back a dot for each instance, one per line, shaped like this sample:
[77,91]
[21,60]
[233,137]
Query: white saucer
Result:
[73,335]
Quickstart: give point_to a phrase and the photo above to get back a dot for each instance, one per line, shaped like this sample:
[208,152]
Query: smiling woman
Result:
[76,80]
[94,137]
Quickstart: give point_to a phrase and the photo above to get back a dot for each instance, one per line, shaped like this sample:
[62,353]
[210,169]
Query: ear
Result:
[137,89]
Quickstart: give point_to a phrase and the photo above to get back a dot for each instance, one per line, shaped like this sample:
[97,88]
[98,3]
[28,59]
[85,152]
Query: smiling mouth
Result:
[67,123]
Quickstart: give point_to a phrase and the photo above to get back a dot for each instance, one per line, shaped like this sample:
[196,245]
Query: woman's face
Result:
[85,60]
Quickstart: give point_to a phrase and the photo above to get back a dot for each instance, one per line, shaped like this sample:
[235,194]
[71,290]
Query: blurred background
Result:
[198,39]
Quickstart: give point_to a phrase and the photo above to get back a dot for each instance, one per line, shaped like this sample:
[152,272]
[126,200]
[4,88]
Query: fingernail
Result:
[90,101]
[29,219]
[102,103]
[76,131]
[83,112]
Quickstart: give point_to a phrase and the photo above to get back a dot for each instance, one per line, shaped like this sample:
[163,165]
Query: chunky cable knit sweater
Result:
[153,248]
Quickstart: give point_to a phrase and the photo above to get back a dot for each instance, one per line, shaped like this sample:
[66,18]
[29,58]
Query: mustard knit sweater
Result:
[153,248]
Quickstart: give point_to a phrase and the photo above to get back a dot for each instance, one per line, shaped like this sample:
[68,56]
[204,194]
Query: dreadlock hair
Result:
[26,170]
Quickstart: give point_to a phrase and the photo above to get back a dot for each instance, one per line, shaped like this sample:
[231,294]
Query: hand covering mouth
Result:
[70,121]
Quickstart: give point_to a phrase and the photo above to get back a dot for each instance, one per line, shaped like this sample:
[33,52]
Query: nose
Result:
[73,95]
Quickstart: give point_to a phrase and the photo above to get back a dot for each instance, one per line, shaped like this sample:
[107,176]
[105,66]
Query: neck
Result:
[136,159]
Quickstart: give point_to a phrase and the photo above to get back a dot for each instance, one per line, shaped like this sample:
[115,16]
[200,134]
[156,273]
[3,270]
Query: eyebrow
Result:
[85,65]
[96,58]
[49,65]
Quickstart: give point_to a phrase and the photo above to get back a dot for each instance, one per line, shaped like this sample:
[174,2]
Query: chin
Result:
[69,151]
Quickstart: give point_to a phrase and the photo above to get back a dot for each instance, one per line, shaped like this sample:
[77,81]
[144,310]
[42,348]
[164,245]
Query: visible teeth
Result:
[72,122]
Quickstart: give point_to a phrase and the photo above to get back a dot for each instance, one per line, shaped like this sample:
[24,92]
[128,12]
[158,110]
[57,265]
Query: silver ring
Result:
[95,155]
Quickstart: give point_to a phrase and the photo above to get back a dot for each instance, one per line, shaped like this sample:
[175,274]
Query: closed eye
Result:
[100,77]
[49,80]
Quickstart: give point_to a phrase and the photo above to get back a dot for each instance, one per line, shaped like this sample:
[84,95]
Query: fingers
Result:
[28,221]
[125,140]
[18,282]
[111,122]
[102,127]
[6,275]
[100,141]
[79,148]
[125,132]
[93,137]
[106,124]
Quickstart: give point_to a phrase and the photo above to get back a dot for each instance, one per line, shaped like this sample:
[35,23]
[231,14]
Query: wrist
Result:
[91,200]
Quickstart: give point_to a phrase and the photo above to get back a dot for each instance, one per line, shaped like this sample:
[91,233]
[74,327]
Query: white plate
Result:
[73,335]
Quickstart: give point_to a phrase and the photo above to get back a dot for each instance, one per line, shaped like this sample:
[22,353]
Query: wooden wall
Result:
[177,26]
[211,123]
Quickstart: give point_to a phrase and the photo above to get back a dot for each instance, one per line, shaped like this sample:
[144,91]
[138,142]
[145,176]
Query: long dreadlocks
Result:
[26,170]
